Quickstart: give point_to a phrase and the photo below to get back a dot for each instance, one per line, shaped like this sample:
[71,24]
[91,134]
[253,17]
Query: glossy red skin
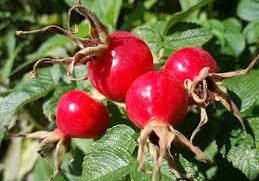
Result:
[127,58]
[155,95]
[79,115]
[186,63]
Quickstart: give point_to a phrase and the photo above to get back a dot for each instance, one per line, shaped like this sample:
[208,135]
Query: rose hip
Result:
[197,70]
[127,58]
[156,102]
[78,116]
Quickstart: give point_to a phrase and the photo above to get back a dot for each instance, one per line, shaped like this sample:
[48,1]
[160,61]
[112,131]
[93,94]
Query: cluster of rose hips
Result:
[120,66]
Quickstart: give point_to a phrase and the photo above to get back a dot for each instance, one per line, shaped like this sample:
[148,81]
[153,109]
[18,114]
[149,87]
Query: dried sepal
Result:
[89,47]
[166,136]
[208,88]
[62,145]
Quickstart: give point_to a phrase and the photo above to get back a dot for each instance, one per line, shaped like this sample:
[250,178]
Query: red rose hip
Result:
[156,102]
[186,63]
[78,116]
[196,69]
[127,58]
[156,96]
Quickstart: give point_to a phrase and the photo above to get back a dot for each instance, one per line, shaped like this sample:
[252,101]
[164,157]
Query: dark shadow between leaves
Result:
[256,111]
[226,132]
[182,26]
[234,97]
[226,167]
[75,168]
[201,167]
[117,117]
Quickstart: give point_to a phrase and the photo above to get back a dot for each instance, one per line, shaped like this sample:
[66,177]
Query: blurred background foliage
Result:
[229,30]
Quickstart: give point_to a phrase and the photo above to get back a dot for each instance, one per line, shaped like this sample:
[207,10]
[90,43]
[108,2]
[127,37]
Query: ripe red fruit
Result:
[127,58]
[186,63]
[78,116]
[196,69]
[156,96]
[156,102]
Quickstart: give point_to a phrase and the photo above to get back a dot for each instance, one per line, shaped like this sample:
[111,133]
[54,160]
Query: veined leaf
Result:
[110,157]
[246,87]
[152,35]
[28,90]
[243,152]
[189,35]
[192,37]
[180,16]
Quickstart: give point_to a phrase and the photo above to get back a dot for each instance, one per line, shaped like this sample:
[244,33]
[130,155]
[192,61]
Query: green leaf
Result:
[253,123]
[107,10]
[43,171]
[229,34]
[187,35]
[232,25]
[248,10]
[151,33]
[12,160]
[182,15]
[110,156]
[242,151]
[58,41]
[81,71]
[150,3]
[211,151]
[12,51]
[235,43]
[246,88]
[192,37]
[137,175]
[251,32]
[83,144]
[186,4]
[28,90]
[50,44]
[234,39]
[28,158]
[49,107]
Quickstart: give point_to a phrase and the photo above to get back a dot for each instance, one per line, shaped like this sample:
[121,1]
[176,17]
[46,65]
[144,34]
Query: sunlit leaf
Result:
[248,10]
[110,156]
[246,88]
